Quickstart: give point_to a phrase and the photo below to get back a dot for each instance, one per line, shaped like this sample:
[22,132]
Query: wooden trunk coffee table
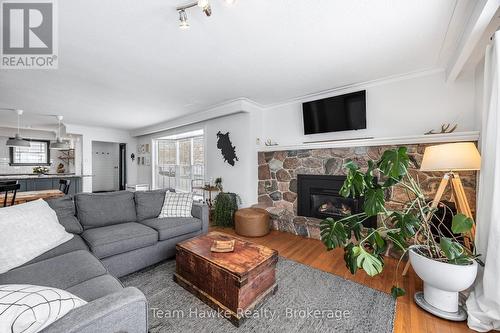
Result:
[232,282]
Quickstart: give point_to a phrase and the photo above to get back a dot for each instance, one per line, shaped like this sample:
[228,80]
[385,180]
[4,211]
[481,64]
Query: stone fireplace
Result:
[281,174]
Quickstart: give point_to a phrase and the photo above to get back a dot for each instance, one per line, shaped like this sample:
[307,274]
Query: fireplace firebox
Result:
[318,196]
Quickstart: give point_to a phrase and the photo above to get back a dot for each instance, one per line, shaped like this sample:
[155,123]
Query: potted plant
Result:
[226,204]
[437,254]
[40,170]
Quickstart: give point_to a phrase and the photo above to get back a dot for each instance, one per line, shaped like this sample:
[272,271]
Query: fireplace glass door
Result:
[327,205]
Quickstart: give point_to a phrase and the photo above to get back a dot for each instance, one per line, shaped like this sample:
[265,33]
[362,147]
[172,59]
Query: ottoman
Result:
[251,222]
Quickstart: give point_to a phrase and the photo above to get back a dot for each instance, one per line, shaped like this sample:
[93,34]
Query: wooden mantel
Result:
[367,142]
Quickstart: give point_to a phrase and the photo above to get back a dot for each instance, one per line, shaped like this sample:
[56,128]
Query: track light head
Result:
[203,3]
[184,24]
[205,6]
[207,10]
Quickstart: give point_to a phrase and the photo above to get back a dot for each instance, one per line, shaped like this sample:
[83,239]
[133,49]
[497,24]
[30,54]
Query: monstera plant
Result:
[412,224]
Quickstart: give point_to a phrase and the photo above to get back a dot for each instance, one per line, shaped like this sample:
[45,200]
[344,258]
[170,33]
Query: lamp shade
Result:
[59,144]
[451,157]
[17,141]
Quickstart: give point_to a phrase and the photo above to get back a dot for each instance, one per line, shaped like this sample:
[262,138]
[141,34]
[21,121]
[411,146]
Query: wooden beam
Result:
[479,22]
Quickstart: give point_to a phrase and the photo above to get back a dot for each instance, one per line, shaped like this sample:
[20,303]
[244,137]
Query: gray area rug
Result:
[307,300]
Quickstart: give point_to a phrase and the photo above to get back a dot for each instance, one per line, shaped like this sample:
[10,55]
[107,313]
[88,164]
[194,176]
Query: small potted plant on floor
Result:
[438,255]
[226,204]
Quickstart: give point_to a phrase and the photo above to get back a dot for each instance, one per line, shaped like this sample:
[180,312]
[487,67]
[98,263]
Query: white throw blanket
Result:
[27,231]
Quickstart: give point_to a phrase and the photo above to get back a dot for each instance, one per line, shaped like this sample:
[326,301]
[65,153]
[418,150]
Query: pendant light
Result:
[59,144]
[18,141]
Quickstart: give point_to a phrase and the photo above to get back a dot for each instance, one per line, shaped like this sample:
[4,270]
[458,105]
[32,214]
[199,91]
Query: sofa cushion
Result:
[103,209]
[119,238]
[74,244]
[96,287]
[65,210]
[61,272]
[148,204]
[170,227]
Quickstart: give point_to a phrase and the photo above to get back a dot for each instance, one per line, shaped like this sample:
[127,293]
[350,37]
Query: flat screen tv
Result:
[333,114]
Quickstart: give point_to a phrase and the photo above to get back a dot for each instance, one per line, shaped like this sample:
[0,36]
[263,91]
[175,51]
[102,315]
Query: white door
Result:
[105,166]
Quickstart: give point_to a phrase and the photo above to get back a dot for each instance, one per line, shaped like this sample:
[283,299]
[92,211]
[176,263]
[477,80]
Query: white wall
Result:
[240,178]
[402,107]
[89,134]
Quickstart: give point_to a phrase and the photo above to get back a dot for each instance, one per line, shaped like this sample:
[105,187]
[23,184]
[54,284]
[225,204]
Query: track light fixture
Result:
[203,4]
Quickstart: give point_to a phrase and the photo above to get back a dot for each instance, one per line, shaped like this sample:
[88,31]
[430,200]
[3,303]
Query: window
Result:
[180,162]
[37,154]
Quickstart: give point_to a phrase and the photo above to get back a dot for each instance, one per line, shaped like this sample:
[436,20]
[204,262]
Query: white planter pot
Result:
[442,283]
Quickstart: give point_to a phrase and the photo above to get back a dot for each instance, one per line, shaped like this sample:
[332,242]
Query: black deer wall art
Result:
[227,148]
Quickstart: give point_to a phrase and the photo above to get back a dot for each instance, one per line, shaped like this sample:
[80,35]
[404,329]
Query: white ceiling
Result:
[126,64]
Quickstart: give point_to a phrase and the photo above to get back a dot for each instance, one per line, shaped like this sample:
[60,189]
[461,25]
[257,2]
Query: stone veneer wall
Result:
[277,184]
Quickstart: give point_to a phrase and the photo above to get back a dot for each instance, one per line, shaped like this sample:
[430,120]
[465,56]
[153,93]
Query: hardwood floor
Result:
[409,317]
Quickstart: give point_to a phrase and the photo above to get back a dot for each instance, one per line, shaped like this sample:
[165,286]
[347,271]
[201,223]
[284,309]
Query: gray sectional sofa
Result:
[114,234]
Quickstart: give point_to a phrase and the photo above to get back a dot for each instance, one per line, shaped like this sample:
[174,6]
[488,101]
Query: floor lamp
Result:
[451,158]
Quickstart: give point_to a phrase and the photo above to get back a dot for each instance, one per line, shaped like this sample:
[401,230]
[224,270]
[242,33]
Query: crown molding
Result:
[216,111]
[244,104]
[357,86]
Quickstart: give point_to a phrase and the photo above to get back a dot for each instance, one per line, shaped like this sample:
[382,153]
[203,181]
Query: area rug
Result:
[307,300]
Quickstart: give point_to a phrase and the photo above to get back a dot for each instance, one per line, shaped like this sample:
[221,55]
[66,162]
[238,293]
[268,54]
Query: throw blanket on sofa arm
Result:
[27,231]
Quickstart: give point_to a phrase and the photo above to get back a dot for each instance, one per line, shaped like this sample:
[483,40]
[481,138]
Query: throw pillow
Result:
[28,309]
[177,205]
[65,210]
[27,231]
[148,204]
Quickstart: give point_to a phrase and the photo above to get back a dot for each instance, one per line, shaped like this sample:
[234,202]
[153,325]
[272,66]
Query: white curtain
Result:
[483,304]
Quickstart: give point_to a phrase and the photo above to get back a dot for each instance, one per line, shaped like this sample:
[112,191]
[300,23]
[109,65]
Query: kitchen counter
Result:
[32,182]
[33,176]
